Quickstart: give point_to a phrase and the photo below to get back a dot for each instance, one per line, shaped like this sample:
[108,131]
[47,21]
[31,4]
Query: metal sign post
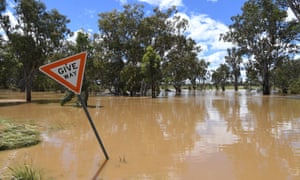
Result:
[93,127]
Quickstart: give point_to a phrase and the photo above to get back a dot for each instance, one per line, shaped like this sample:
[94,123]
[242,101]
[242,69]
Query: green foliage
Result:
[220,76]
[115,56]
[25,172]
[126,35]
[151,69]
[17,136]
[286,75]
[294,88]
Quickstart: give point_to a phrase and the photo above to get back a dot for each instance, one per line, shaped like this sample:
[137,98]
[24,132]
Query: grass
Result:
[25,172]
[14,136]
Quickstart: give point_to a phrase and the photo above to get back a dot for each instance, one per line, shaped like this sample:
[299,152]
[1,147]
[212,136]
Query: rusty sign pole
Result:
[93,126]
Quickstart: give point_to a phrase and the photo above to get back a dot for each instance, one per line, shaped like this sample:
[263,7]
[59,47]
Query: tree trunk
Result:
[266,87]
[153,90]
[178,90]
[28,91]
[223,87]
[236,86]
[28,80]
[266,81]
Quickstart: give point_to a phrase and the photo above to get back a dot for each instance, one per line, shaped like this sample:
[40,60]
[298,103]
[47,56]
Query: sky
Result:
[207,19]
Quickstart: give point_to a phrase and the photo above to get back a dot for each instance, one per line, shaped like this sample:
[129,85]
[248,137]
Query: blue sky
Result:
[207,19]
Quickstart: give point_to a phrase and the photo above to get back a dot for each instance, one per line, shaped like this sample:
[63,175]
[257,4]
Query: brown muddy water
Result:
[200,135]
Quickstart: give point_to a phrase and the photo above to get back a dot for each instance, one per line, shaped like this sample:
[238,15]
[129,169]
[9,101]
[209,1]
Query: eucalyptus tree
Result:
[121,36]
[233,59]
[220,76]
[178,65]
[38,33]
[203,72]
[262,33]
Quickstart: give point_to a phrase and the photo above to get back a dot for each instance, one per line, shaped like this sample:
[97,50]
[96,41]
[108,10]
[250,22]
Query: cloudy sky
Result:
[207,18]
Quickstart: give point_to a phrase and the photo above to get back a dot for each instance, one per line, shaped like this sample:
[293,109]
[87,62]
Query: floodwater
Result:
[200,135]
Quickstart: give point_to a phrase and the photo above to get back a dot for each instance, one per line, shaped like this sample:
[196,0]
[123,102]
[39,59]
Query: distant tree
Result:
[126,36]
[37,34]
[233,60]
[220,76]
[262,32]
[180,60]
[287,75]
[203,71]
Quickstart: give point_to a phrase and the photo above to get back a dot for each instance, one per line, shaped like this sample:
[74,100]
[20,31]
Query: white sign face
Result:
[68,71]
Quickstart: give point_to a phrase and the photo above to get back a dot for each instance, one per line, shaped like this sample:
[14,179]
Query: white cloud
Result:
[291,16]
[12,18]
[13,22]
[123,1]
[75,34]
[215,59]
[164,4]
[90,13]
[206,32]
[212,0]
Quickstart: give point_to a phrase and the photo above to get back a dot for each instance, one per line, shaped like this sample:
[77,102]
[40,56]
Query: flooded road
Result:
[200,135]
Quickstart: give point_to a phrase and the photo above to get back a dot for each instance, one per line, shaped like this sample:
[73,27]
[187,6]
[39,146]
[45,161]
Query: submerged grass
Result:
[25,172]
[14,136]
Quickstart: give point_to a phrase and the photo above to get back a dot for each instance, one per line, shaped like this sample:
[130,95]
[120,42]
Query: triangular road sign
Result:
[68,71]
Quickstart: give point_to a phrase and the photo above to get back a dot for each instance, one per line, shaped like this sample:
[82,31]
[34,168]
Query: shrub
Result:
[294,88]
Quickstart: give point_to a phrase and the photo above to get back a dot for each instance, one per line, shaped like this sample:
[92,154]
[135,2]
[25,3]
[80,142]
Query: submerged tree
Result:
[38,33]
[262,32]
[220,76]
[233,60]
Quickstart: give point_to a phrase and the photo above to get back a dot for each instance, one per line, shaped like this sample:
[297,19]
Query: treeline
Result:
[134,52]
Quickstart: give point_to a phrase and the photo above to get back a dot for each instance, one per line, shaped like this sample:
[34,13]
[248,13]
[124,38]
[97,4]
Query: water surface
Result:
[200,135]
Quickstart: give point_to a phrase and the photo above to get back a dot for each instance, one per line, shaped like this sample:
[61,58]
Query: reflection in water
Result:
[200,135]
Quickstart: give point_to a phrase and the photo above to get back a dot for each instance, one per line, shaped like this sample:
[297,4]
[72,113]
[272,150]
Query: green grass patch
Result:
[14,135]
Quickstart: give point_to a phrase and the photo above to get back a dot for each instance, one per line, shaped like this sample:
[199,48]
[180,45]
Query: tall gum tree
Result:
[263,33]
[38,33]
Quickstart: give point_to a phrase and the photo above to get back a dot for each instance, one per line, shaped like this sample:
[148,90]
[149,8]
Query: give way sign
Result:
[68,71]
